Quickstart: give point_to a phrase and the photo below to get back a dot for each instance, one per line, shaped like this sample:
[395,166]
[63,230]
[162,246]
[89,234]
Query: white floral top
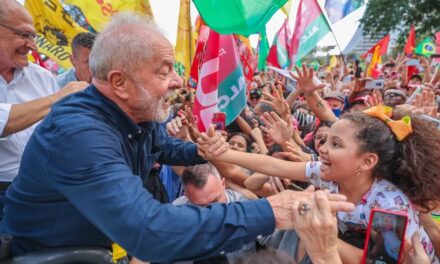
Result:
[384,195]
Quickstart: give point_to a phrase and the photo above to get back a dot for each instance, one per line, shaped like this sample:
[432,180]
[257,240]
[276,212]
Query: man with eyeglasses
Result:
[27,91]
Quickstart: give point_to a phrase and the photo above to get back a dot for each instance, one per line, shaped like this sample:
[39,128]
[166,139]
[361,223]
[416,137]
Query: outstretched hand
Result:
[305,80]
[211,144]
[278,102]
[276,128]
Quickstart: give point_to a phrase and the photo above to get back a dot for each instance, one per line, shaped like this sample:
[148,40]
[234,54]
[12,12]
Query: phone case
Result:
[367,237]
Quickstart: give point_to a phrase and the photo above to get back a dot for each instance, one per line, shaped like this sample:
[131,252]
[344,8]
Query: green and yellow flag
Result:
[185,43]
[425,48]
[98,13]
[55,29]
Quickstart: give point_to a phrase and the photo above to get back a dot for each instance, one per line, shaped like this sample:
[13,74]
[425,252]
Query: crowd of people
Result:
[110,153]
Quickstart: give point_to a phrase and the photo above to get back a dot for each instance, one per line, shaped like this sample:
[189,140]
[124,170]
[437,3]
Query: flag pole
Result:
[331,30]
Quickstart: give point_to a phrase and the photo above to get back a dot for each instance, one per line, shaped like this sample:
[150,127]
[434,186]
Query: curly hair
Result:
[411,164]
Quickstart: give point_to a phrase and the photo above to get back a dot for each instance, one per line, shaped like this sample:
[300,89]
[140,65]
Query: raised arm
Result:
[24,115]
[309,86]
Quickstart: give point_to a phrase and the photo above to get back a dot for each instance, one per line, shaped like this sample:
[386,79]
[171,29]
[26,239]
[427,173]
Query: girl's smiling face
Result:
[340,153]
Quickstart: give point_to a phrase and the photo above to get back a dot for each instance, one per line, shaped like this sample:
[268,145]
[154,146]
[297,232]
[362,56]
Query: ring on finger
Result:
[303,209]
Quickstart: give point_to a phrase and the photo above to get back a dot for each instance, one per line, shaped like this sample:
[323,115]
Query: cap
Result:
[395,91]
[335,95]
[360,98]
[255,93]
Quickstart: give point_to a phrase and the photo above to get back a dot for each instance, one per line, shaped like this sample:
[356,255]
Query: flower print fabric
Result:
[382,194]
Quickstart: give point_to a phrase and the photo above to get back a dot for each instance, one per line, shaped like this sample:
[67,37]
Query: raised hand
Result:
[278,102]
[191,123]
[277,129]
[177,128]
[426,103]
[294,153]
[305,81]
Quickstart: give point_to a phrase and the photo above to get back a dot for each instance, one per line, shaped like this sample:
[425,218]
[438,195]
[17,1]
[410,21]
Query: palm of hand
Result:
[281,132]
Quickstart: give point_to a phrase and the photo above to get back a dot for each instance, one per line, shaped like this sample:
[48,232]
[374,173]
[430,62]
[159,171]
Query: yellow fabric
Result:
[98,13]
[401,128]
[286,7]
[375,59]
[246,42]
[184,43]
[117,252]
[333,63]
[56,29]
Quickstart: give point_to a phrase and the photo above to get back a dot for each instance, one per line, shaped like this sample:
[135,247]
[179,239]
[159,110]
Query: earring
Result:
[358,171]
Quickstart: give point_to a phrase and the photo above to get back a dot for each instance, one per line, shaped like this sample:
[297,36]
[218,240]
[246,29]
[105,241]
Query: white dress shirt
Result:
[29,83]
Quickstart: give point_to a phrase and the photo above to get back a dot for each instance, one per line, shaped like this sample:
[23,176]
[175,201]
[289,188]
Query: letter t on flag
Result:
[221,86]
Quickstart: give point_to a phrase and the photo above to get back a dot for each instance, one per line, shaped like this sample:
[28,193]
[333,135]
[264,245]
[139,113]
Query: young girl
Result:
[374,165]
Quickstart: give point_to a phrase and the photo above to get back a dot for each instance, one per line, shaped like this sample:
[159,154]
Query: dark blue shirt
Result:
[80,183]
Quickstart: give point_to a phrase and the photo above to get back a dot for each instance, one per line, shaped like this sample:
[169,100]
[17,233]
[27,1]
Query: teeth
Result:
[170,96]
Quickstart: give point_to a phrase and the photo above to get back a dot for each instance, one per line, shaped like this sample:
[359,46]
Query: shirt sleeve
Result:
[93,175]
[177,152]
[5,109]
[313,175]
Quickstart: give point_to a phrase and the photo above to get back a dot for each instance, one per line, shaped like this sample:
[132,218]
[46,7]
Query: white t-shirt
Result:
[29,83]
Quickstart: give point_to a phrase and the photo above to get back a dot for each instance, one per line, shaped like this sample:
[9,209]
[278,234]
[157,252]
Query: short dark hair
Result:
[198,175]
[83,39]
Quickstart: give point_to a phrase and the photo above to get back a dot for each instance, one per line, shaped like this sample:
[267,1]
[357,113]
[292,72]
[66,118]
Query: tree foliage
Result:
[399,15]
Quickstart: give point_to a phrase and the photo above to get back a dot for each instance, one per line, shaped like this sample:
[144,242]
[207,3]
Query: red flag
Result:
[246,58]
[221,85]
[279,52]
[383,43]
[38,59]
[411,41]
[198,56]
[437,42]
[272,58]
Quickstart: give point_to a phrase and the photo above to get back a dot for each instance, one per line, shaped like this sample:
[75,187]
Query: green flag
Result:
[425,48]
[263,50]
[242,17]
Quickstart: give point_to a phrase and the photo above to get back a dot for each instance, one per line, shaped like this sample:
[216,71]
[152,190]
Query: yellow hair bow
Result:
[401,128]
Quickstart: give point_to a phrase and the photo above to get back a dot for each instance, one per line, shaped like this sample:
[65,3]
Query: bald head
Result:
[126,43]
[11,10]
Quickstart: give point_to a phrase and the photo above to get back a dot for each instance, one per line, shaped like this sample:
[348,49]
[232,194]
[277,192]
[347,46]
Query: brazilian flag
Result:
[425,48]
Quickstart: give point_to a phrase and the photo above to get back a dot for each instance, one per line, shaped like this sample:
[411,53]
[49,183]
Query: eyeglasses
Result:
[254,98]
[32,36]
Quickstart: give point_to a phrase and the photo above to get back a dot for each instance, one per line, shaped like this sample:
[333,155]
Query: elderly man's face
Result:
[14,46]
[155,83]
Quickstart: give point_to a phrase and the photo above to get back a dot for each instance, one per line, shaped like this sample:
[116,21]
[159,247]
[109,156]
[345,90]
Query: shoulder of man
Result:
[181,200]
[234,196]
[42,75]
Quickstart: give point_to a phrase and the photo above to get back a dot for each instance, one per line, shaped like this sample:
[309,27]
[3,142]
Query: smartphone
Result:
[347,79]
[219,120]
[385,237]
[412,62]
[368,58]
[374,84]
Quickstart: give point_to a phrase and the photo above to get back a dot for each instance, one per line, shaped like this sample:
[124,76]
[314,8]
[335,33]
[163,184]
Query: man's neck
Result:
[105,89]
[7,73]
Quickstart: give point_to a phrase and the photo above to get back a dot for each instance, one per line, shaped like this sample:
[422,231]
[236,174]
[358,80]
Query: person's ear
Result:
[72,59]
[224,182]
[369,161]
[118,81]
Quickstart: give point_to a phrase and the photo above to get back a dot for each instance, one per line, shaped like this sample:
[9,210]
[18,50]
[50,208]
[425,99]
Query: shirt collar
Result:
[126,124]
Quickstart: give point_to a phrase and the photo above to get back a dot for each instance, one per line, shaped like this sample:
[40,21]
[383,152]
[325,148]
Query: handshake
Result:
[211,144]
